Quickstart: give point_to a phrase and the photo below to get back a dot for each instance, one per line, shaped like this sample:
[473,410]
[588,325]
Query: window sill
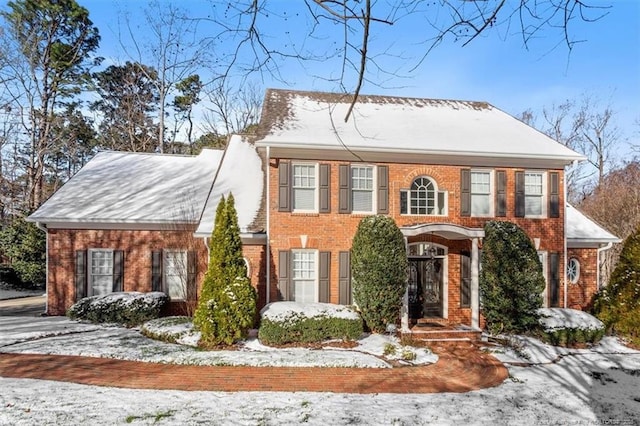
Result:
[307,214]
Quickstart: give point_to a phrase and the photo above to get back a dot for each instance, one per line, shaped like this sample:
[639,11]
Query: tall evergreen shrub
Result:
[379,271]
[227,305]
[511,280]
[618,304]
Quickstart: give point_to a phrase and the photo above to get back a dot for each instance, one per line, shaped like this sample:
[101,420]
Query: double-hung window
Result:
[534,193]
[305,188]
[175,274]
[362,185]
[100,272]
[304,276]
[481,204]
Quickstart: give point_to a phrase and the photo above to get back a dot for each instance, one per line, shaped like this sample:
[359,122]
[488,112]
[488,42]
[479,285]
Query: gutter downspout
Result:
[268,245]
[564,239]
[598,251]
[46,267]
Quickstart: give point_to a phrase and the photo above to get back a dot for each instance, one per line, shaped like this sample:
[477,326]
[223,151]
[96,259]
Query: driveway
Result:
[32,306]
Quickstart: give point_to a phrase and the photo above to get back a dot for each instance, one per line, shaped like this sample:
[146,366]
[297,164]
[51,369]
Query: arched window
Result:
[423,198]
[573,270]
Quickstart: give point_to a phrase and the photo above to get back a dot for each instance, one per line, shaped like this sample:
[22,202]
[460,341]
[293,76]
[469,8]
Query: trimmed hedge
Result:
[297,326]
[571,336]
[128,308]
[569,327]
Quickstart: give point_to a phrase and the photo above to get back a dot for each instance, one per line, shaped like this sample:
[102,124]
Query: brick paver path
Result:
[461,368]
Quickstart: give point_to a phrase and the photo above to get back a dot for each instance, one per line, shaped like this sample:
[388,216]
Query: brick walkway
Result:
[461,368]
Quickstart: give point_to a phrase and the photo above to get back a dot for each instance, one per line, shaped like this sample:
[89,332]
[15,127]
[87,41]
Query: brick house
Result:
[302,183]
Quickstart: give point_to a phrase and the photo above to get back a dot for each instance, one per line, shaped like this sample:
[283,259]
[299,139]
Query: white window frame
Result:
[491,194]
[576,278]
[314,278]
[374,183]
[543,196]
[436,191]
[91,275]
[183,276]
[316,192]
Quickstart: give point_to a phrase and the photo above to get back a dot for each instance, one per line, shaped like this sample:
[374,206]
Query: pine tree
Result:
[227,306]
[378,265]
[618,304]
[511,280]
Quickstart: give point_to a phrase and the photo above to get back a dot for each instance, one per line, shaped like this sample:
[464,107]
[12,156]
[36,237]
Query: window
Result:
[175,274]
[423,198]
[534,193]
[362,189]
[100,272]
[573,270]
[304,276]
[481,193]
[304,187]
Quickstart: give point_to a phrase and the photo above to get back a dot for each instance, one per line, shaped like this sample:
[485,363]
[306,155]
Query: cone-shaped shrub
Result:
[227,305]
[379,271]
[618,304]
[511,280]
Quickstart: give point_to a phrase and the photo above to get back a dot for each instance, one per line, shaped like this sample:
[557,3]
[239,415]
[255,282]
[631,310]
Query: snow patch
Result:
[282,311]
[561,318]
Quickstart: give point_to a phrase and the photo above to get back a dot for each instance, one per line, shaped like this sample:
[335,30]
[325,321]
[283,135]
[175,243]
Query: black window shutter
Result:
[344,278]
[284,186]
[554,279]
[324,275]
[118,270]
[192,270]
[501,193]
[465,192]
[344,190]
[520,194]
[156,270]
[383,189]
[404,202]
[465,280]
[285,285]
[325,188]
[81,274]
[554,194]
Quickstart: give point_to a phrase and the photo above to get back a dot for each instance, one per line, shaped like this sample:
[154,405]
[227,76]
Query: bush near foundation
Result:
[127,308]
[569,327]
[290,322]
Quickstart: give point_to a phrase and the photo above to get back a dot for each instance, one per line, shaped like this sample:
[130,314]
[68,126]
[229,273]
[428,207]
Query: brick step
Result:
[445,334]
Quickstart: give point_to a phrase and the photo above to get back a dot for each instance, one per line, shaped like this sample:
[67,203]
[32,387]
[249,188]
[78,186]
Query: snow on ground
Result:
[557,318]
[587,386]
[9,292]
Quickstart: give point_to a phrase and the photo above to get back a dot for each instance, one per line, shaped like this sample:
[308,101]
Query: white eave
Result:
[583,232]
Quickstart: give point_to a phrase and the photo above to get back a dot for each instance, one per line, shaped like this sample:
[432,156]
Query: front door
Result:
[425,287]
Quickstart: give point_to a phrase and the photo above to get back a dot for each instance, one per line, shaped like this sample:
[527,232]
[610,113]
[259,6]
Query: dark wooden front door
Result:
[425,288]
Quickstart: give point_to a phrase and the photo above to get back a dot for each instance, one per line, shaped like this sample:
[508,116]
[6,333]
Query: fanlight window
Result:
[426,249]
[423,198]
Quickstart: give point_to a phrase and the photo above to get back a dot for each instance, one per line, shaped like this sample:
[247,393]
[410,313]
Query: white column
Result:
[404,312]
[475,293]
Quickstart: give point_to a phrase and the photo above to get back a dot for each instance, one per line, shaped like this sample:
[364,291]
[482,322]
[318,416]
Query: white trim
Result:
[436,193]
[268,220]
[316,260]
[492,191]
[545,194]
[183,275]
[543,255]
[576,263]
[449,231]
[374,189]
[90,251]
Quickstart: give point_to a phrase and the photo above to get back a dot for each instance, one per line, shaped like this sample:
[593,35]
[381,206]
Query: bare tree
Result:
[232,110]
[174,50]
[360,22]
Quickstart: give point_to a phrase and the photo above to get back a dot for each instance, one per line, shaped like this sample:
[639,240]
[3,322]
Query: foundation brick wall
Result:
[580,294]
[333,232]
[137,246]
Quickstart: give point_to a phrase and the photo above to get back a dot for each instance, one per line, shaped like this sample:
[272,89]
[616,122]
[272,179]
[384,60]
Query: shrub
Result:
[25,245]
[618,304]
[177,329]
[290,322]
[379,271]
[569,327]
[227,306]
[129,309]
[511,279]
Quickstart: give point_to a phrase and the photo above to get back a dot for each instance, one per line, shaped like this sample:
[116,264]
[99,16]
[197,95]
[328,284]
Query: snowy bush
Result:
[291,322]
[569,327]
[177,329]
[379,271]
[128,308]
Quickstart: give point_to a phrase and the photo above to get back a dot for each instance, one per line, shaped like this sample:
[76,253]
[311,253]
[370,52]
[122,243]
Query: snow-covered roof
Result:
[582,231]
[383,124]
[133,188]
[240,174]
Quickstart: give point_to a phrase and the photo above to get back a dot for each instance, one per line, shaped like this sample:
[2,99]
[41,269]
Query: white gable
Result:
[584,232]
[241,175]
[403,125]
[136,188]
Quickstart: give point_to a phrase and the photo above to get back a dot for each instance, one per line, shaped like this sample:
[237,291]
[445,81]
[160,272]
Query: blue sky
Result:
[494,68]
